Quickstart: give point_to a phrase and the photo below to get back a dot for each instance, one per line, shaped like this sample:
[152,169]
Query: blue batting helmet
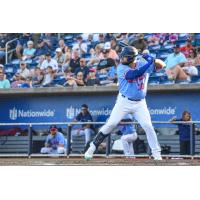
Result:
[129,52]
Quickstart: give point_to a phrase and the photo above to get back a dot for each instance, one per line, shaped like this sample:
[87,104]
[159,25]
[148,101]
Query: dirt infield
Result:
[96,162]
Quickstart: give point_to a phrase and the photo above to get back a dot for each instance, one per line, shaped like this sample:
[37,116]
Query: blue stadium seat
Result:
[86,55]
[183,36]
[182,81]
[154,47]
[181,42]
[195,79]
[154,80]
[59,80]
[168,46]
[164,80]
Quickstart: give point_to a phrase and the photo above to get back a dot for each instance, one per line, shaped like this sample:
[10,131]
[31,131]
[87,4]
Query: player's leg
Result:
[117,114]
[88,132]
[143,117]
[61,150]
[130,138]
[131,150]
[46,150]
[125,145]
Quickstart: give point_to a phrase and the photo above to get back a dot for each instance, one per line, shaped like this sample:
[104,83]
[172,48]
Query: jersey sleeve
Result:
[48,140]
[61,139]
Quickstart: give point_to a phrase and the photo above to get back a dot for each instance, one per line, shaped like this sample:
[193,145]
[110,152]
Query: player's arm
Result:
[135,73]
[61,141]
[47,142]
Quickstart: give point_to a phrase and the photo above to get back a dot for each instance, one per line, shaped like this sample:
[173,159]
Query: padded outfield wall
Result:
[63,104]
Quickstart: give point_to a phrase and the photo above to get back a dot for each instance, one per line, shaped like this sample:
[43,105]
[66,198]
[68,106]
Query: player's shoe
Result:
[89,153]
[157,157]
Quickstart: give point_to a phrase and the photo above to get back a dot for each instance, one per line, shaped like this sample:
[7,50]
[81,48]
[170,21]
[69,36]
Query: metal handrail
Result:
[9,50]
[70,124]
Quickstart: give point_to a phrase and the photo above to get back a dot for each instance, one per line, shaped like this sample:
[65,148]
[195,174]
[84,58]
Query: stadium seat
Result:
[154,47]
[195,79]
[182,81]
[183,36]
[154,80]
[166,81]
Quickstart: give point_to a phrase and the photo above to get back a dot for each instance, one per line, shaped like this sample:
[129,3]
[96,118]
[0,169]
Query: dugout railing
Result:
[69,125]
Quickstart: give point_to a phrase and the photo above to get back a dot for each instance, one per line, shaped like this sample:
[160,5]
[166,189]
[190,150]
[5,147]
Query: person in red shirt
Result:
[186,49]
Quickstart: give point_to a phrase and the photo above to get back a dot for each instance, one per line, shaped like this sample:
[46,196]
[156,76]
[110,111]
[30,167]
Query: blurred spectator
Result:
[48,76]
[101,39]
[40,61]
[49,62]
[49,39]
[3,41]
[29,52]
[174,63]
[61,45]
[90,41]
[24,38]
[92,79]
[173,37]
[18,81]
[115,46]
[59,57]
[36,37]
[18,53]
[55,142]
[75,61]
[4,83]
[184,132]
[23,71]
[80,79]
[108,37]
[140,43]
[83,68]
[193,58]
[186,49]
[42,48]
[153,40]
[70,80]
[111,53]
[37,77]
[82,46]
[67,49]
[68,57]
[85,129]
[95,56]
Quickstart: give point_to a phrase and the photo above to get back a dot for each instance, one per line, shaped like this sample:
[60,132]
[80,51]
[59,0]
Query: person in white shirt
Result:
[49,62]
[23,71]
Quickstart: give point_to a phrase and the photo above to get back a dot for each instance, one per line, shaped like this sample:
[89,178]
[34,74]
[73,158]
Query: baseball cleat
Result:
[89,153]
[157,157]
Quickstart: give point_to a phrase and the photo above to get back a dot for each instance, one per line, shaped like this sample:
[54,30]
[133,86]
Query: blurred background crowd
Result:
[31,60]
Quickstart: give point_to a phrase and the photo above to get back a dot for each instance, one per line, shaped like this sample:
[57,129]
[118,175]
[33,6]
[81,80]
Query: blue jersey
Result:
[54,141]
[127,129]
[135,88]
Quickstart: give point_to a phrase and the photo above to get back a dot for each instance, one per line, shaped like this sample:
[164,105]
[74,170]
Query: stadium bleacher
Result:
[161,51]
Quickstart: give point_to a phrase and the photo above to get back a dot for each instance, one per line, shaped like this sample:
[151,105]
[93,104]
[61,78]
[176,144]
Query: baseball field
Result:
[74,161]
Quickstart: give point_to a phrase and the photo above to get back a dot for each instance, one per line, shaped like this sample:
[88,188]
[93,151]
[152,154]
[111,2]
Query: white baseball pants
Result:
[127,142]
[87,132]
[140,112]
[48,150]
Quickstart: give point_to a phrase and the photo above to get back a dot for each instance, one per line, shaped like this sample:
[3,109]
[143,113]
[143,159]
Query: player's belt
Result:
[131,99]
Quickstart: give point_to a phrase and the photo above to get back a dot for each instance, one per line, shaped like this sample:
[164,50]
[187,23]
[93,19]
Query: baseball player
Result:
[133,76]
[55,142]
[129,135]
